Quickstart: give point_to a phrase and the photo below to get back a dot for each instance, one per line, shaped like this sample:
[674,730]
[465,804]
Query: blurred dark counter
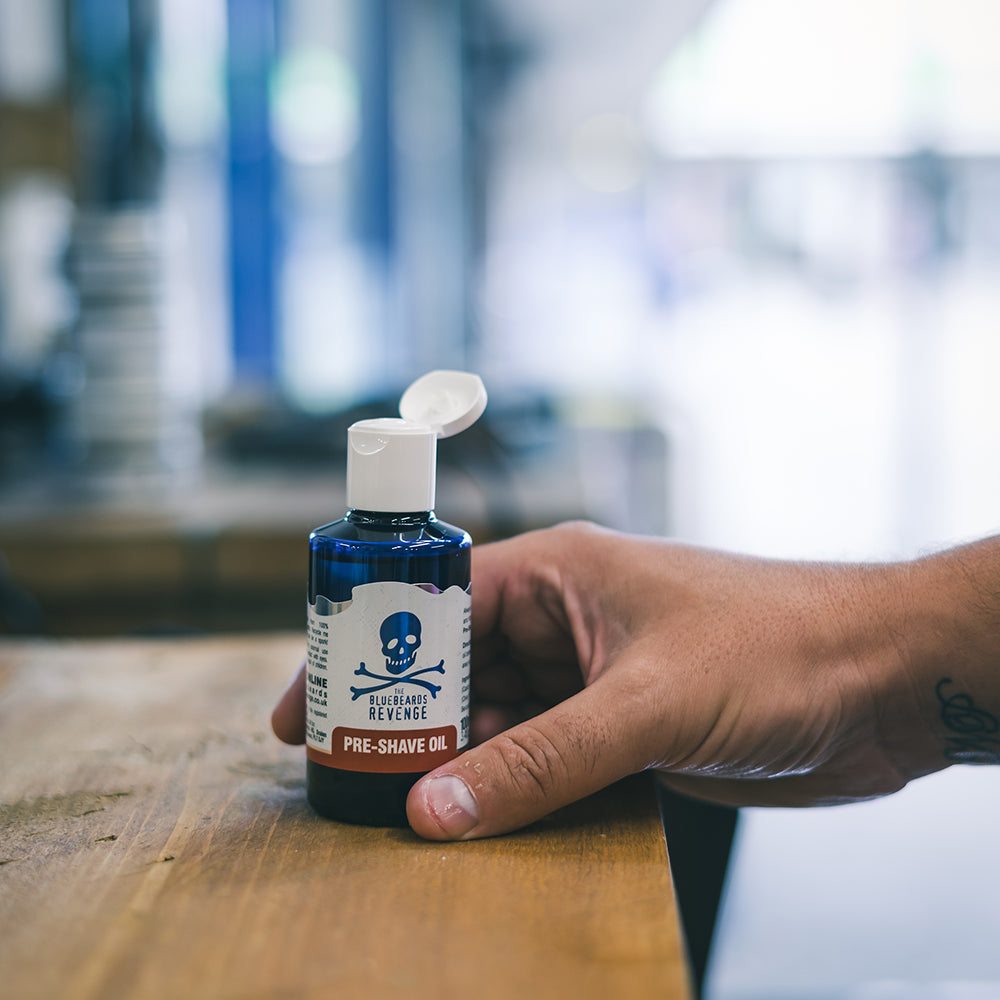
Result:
[229,553]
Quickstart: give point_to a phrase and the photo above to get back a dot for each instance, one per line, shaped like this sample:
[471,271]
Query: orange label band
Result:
[387,752]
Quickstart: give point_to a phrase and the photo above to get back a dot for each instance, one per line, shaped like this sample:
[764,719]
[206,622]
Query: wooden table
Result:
[155,842]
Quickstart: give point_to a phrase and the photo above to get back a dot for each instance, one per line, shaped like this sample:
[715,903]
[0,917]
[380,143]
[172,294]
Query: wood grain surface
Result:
[155,842]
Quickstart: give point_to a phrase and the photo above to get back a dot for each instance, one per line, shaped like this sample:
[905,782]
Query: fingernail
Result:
[452,804]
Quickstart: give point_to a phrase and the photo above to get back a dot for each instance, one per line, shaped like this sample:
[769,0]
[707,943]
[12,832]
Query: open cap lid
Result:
[392,461]
[445,401]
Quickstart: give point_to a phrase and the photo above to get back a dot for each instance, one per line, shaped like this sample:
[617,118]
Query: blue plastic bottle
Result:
[389,615]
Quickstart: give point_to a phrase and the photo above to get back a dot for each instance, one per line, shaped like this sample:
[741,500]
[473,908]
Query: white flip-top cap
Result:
[392,461]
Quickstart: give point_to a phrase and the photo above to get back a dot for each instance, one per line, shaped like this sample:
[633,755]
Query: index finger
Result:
[288,720]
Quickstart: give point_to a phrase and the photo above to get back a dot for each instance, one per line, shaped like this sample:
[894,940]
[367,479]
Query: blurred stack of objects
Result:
[134,428]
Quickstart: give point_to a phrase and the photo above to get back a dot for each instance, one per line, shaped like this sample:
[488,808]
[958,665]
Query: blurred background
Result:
[729,268]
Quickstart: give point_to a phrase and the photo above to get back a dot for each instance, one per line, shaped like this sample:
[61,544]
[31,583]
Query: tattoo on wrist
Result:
[977,732]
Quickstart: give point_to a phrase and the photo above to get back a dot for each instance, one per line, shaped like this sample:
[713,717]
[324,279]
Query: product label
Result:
[387,678]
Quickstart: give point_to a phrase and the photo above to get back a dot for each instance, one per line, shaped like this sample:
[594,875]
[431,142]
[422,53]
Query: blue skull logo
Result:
[400,635]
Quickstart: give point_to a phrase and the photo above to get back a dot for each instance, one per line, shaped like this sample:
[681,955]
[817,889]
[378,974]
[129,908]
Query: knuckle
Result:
[532,759]
[580,538]
[578,528]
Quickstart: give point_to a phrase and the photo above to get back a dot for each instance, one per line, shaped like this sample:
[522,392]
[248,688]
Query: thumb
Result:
[568,752]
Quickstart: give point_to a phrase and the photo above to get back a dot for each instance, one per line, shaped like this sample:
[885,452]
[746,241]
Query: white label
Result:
[387,678]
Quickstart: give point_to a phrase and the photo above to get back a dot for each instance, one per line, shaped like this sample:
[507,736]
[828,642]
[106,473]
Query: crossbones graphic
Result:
[410,678]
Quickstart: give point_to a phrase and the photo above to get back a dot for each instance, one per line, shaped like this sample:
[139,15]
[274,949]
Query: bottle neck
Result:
[397,519]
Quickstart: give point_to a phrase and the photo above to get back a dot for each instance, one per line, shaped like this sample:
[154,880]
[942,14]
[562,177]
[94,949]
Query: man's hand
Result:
[744,681]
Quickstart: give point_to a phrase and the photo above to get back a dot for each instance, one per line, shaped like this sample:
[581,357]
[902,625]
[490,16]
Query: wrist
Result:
[952,648]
